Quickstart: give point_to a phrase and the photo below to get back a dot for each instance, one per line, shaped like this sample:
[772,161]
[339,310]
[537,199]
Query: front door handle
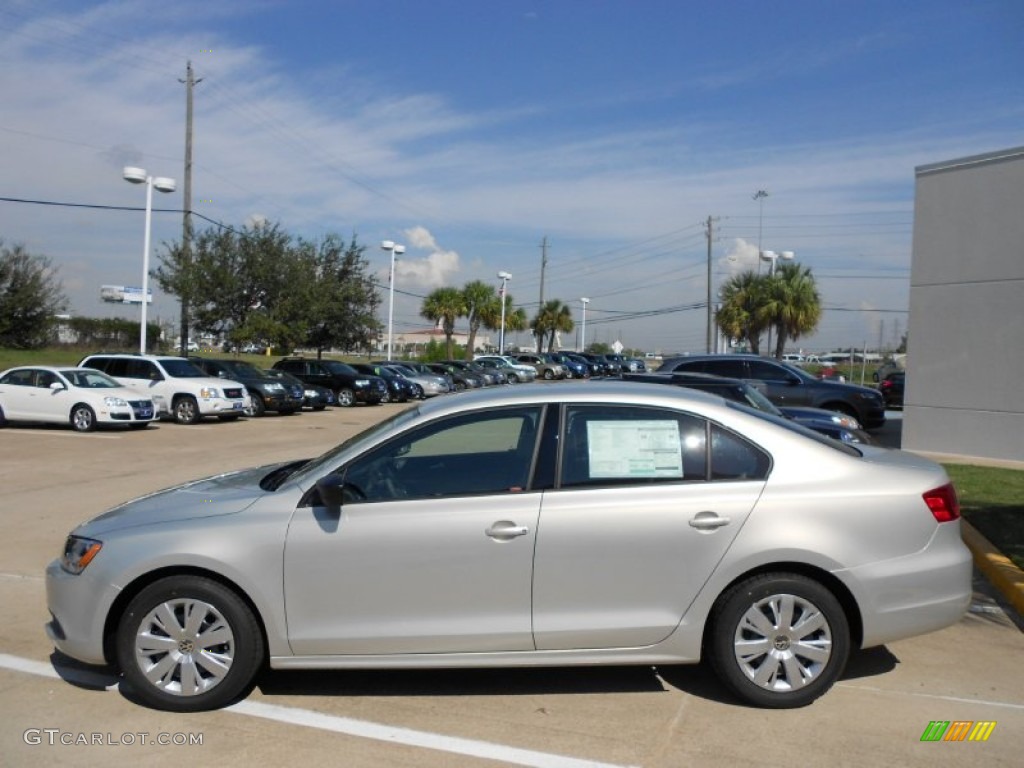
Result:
[708,521]
[506,530]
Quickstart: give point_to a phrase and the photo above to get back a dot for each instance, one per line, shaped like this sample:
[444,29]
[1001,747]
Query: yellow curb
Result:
[997,567]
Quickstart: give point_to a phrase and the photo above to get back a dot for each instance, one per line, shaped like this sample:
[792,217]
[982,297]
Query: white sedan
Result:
[81,397]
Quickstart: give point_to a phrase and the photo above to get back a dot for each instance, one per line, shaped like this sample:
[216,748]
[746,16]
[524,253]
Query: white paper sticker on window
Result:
[634,449]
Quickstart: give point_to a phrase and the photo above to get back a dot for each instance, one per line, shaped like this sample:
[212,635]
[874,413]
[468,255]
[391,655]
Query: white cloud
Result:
[438,268]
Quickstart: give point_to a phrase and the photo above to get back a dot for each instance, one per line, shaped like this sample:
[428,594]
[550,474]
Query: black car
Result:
[608,367]
[265,392]
[835,425]
[313,396]
[400,389]
[891,388]
[491,376]
[460,379]
[787,385]
[348,385]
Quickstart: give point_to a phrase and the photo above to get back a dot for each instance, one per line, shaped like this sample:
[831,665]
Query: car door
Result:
[637,524]
[18,394]
[432,550]
[783,387]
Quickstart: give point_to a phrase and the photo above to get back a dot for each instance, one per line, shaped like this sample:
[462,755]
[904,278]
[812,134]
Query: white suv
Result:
[178,388]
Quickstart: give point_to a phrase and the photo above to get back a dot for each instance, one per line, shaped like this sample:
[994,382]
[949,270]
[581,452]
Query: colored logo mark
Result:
[958,730]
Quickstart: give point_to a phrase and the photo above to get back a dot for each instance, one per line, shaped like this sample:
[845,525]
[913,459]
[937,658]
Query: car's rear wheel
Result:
[346,398]
[187,644]
[549,374]
[83,419]
[778,640]
[186,410]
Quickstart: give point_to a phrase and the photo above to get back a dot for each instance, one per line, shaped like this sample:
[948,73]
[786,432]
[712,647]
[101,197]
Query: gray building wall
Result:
[965,356]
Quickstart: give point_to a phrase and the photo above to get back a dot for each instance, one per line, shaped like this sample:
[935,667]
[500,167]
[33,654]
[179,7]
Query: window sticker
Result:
[646,448]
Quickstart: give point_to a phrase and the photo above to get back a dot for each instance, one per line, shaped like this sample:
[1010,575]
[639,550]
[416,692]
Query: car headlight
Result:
[275,387]
[362,382]
[115,402]
[78,553]
[845,421]
[209,392]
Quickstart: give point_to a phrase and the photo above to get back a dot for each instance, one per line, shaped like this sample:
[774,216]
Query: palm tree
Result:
[740,316]
[796,308]
[554,317]
[445,306]
[479,298]
[515,318]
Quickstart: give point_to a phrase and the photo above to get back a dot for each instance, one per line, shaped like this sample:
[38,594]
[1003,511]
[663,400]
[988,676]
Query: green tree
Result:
[553,318]
[740,317]
[31,295]
[480,300]
[792,304]
[342,298]
[515,317]
[445,306]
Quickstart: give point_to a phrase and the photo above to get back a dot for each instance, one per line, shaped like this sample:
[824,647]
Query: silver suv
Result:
[178,388]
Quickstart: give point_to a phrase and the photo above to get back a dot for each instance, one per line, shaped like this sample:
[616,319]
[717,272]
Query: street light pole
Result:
[583,330]
[395,249]
[505,277]
[164,184]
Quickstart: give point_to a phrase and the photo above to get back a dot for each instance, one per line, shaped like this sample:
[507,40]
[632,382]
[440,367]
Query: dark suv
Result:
[266,392]
[787,385]
[349,385]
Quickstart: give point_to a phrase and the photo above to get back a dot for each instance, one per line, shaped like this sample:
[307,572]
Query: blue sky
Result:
[471,130]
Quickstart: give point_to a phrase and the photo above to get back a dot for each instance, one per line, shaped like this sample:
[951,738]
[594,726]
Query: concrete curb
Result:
[997,567]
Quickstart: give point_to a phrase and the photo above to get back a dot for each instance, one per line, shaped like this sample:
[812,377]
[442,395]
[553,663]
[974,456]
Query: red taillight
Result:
[943,503]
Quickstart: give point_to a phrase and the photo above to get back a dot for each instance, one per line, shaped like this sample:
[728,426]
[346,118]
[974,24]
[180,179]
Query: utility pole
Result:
[709,232]
[186,226]
[543,267]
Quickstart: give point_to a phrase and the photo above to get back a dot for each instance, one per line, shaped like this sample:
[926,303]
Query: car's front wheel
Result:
[256,406]
[779,640]
[186,410]
[83,419]
[187,644]
[346,398]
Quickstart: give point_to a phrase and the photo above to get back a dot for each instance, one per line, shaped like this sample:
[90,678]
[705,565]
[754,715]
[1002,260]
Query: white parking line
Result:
[344,725]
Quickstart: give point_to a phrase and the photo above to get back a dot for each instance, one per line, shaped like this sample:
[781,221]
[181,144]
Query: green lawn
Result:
[992,500]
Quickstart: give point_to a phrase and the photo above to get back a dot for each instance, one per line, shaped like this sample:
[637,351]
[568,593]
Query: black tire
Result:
[548,374]
[798,660]
[83,418]
[346,398]
[257,407]
[215,673]
[3,419]
[186,410]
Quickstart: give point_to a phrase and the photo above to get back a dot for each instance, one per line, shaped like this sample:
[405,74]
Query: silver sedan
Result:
[626,524]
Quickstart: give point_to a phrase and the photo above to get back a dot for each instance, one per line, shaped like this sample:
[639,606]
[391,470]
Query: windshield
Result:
[315,467]
[335,367]
[240,368]
[89,379]
[179,368]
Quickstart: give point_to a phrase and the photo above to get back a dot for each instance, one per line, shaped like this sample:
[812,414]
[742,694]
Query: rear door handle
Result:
[708,521]
[506,530]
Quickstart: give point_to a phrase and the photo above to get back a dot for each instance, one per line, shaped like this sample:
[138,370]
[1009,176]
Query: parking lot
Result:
[56,713]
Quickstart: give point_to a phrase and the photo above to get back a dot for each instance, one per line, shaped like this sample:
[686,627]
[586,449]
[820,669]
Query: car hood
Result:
[223,494]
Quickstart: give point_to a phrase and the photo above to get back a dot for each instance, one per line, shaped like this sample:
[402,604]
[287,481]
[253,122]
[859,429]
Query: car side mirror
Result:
[56,386]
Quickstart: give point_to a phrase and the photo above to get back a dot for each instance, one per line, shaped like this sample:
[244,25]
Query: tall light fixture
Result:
[505,277]
[773,257]
[583,330]
[138,176]
[396,250]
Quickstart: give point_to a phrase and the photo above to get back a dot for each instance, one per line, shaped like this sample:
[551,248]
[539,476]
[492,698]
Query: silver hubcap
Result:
[783,643]
[83,419]
[184,647]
